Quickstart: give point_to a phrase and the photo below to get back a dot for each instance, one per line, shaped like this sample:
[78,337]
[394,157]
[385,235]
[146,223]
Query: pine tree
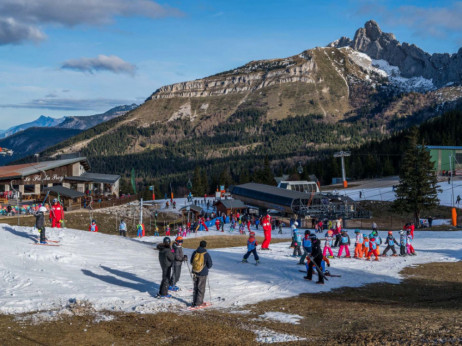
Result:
[205,181]
[197,184]
[417,189]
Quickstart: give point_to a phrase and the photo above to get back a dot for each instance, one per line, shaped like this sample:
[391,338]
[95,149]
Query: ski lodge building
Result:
[33,179]
[446,158]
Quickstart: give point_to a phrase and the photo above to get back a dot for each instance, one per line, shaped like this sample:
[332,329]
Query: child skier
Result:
[93,226]
[306,244]
[366,246]
[328,244]
[323,265]
[316,256]
[409,247]
[297,240]
[373,248]
[178,261]
[167,231]
[344,244]
[139,227]
[390,241]
[156,232]
[251,248]
[123,228]
[40,223]
[402,243]
[358,244]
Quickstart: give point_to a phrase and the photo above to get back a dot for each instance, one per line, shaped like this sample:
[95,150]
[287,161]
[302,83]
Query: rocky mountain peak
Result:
[441,69]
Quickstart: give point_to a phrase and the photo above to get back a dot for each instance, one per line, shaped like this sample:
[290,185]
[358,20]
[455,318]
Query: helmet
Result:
[178,239]
[167,241]
[252,234]
[357,231]
[307,232]
[42,209]
[295,223]
[55,200]
[330,232]
[366,236]
[401,232]
[390,233]
[313,236]
[93,221]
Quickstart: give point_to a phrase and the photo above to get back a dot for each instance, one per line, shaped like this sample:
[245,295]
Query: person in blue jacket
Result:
[251,248]
[390,241]
[297,240]
[306,244]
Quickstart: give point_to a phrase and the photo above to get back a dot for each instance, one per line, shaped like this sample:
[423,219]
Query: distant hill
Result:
[70,122]
[33,140]
[42,121]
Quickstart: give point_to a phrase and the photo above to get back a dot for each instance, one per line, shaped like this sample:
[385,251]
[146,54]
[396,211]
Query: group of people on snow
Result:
[56,216]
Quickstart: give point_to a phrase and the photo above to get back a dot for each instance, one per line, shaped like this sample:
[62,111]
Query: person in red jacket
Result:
[217,224]
[93,226]
[56,214]
[266,223]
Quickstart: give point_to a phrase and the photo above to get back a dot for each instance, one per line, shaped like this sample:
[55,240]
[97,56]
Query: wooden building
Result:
[228,206]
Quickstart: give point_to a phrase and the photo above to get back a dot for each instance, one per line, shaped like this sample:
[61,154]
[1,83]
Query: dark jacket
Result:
[166,256]
[316,249]
[207,259]
[178,254]
[39,220]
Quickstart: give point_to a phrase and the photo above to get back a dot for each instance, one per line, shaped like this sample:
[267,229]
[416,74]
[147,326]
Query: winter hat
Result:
[390,233]
[307,232]
[203,243]
[295,223]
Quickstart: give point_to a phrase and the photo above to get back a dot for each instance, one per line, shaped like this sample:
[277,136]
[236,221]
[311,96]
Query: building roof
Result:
[443,147]
[268,193]
[232,203]
[96,178]
[64,191]
[25,169]
[193,207]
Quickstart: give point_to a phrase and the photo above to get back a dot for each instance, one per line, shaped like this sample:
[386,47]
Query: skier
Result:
[390,241]
[323,265]
[344,244]
[267,232]
[366,246]
[297,240]
[378,241]
[217,224]
[338,237]
[402,243]
[156,232]
[358,244]
[458,199]
[166,259]
[306,244]
[374,226]
[178,261]
[316,255]
[167,230]
[93,226]
[409,247]
[40,223]
[373,248]
[328,244]
[251,248]
[123,228]
[56,214]
[201,263]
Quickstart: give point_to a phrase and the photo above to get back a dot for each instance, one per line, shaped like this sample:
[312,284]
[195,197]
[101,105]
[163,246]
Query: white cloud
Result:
[110,63]
[15,32]
[20,19]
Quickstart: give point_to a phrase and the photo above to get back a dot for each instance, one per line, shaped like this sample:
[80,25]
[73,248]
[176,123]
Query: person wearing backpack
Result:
[251,248]
[166,258]
[201,263]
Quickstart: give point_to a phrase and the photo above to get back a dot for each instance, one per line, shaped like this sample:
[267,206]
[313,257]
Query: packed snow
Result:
[268,336]
[445,194]
[120,274]
[282,317]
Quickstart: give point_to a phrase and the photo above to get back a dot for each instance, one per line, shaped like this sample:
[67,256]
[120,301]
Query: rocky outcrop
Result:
[442,69]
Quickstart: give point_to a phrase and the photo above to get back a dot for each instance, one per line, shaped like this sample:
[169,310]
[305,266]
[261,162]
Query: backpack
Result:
[198,262]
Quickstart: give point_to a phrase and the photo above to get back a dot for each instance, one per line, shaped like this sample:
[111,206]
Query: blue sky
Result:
[67,57]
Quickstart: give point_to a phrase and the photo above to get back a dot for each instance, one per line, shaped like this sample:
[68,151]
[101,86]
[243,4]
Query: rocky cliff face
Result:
[442,69]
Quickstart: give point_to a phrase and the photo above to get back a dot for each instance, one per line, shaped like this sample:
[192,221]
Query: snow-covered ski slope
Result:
[387,193]
[118,274]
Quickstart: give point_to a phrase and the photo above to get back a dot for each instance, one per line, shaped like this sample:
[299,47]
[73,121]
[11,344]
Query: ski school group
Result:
[365,246]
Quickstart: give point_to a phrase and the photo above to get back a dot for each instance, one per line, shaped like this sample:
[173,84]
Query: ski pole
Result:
[210,291]
[189,269]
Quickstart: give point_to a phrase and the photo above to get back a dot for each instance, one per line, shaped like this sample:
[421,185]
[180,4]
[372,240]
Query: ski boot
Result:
[244,261]
[43,242]
[347,256]
[173,288]
[257,262]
